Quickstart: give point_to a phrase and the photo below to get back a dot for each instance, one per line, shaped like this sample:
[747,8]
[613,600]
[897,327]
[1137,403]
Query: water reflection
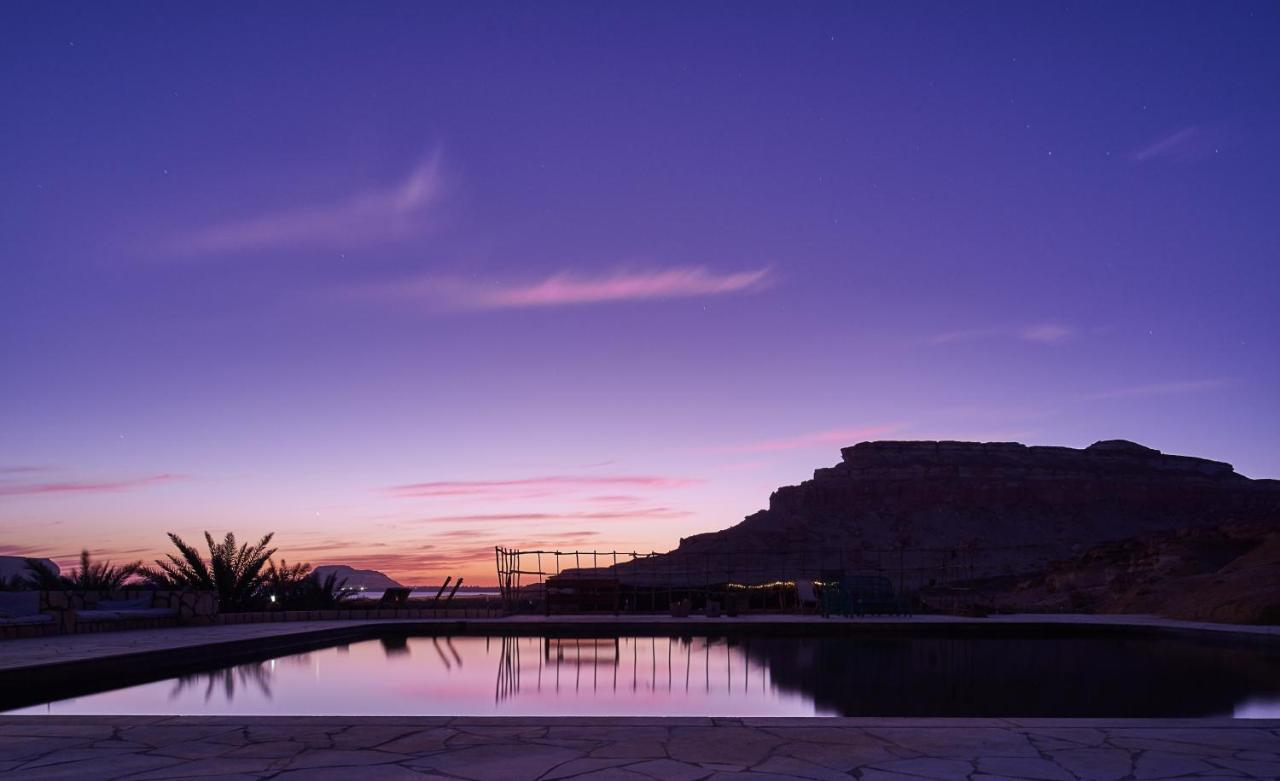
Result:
[257,675]
[670,665]
[726,676]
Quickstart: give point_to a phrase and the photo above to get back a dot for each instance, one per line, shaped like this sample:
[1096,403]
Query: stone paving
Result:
[634,749]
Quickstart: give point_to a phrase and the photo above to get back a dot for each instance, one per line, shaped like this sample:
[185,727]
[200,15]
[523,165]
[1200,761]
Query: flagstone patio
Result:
[622,749]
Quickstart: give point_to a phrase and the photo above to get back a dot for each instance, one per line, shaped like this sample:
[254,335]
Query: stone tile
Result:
[959,742]
[70,755]
[1167,747]
[16,747]
[1159,764]
[159,735]
[419,742]
[799,768]
[612,774]
[871,774]
[575,767]
[369,773]
[368,736]
[326,757]
[926,767]
[309,739]
[1080,736]
[721,744]
[1233,739]
[277,749]
[1259,756]
[1030,768]
[202,768]
[585,746]
[609,733]
[1096,764]
[744,776]
[671,770]
[193,750]
[42,729]
[496,763]
[118,766]
[1253,767]
[635,749]
[840,735]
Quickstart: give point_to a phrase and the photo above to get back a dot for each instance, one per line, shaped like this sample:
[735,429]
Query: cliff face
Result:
[1013,508]
[1227,573]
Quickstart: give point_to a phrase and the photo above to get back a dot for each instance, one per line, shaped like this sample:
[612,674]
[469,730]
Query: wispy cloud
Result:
[31,551]
[839,437]
[23,469]
[1160,389]
[1177,145]
[365,218]
[639,513]
[79,486]
[1039,333]
[1193,142]
[525,486]
[568,289]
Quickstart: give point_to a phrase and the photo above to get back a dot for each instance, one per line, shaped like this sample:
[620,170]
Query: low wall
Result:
[263,617]
[194,608]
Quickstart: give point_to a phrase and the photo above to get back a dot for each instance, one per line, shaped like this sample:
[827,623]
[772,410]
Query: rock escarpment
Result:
[1012,509]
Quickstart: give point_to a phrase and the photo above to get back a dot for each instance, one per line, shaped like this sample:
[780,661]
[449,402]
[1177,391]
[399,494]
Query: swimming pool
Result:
[876,675]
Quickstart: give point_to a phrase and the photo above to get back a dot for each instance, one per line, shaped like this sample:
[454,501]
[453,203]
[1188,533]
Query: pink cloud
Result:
[77,486]
[840,437]
[602,515]
[568,289]
[1041,333]
[538,485]
[365,218]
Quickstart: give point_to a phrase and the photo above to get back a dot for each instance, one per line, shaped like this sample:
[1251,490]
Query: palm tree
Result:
[234,571]
[100,576]
[326,593]
[283,583]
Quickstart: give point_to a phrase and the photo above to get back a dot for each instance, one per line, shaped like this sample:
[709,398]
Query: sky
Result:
[404,281]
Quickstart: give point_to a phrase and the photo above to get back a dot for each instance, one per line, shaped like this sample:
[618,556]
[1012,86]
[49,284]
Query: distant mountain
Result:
[17,565]
[981,509]
[369,579]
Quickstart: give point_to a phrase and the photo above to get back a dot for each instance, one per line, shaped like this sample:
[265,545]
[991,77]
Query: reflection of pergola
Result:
[597,649]
[639,663]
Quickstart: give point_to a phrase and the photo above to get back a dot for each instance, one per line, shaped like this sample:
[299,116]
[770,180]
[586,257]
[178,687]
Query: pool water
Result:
[717,676]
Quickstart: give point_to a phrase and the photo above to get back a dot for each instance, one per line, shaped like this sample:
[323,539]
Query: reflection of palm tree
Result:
[258,673]
[394,645]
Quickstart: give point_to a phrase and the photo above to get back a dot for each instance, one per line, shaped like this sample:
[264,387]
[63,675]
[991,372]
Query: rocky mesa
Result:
[1012,509]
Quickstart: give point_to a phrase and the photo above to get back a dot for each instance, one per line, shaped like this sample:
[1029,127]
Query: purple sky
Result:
[403,281]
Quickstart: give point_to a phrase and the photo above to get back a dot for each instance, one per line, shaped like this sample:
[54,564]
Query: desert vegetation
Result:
[243,575]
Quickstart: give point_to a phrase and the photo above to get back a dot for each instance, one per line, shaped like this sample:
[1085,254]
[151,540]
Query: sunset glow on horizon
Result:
[559,279]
